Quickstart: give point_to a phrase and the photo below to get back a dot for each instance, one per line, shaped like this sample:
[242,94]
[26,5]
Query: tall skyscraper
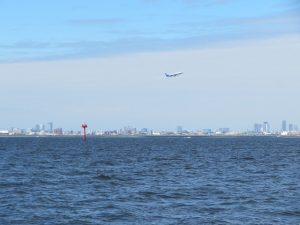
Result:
[257,128]
[295,127]
[266,127]
[291,127]
[179,129]
[37,128]
[283,125]
[50,127]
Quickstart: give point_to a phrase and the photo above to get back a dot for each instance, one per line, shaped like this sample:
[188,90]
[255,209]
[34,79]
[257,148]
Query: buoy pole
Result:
[84,126]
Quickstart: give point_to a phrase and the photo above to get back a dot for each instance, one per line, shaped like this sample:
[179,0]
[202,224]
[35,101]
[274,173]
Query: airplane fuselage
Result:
[173,75]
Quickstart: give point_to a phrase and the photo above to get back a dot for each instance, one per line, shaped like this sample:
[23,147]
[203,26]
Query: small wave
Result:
[148,193]
[173,195]
[118,217]
[248,158]
[288,213]
[101,176]
[102,162]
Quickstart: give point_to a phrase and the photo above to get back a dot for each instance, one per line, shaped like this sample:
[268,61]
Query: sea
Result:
[149,180]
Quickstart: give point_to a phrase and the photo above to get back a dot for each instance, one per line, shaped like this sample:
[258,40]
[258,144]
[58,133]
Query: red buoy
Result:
[84,126]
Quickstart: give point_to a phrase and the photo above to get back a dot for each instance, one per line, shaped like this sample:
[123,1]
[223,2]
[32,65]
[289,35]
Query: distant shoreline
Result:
[146,136]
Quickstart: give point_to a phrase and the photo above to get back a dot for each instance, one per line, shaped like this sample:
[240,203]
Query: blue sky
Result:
[56,29]
[103,62]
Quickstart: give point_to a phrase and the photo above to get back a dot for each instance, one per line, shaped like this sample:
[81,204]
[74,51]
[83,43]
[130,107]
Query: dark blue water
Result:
[150,180]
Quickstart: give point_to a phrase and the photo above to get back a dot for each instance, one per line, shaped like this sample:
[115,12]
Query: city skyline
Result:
[104,63]
[263,127]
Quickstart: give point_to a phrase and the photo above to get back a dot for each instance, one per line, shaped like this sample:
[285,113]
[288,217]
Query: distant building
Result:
[144,131]
[50,124]
[42,127]
[295,127]
[155,133]
[283,125]
[291,127]
[207,131]
[128,130]
[179,129]
[36,128]
[58,131]
[257,128]
[266,127]
[4,132]
[223,130]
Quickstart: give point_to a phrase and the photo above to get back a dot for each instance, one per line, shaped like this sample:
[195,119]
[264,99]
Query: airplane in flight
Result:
[173,74]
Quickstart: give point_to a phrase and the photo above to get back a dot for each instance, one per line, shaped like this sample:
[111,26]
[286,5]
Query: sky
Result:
[103,62]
